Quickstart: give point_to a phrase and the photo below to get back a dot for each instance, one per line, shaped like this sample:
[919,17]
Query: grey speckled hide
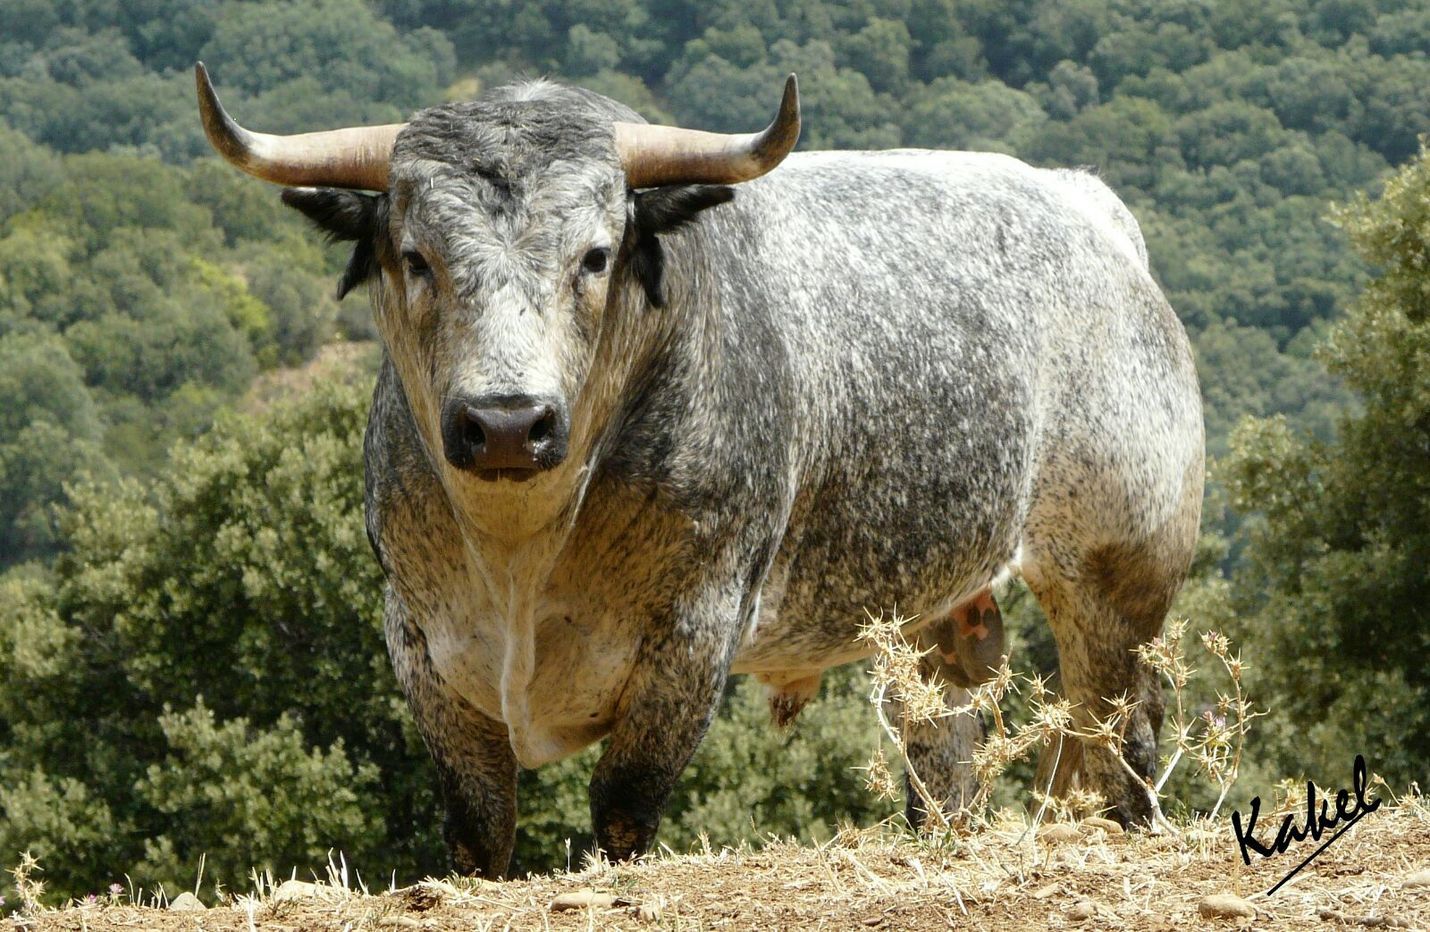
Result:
[875,380]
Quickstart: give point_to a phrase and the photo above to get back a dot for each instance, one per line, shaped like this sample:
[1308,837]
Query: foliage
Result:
[128,319]
[1334,583]
[242,577]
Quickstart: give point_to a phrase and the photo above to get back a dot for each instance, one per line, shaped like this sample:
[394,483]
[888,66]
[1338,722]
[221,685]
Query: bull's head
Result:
[504,235]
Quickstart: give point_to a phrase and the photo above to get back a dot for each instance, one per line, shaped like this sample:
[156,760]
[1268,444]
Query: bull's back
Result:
[955,320]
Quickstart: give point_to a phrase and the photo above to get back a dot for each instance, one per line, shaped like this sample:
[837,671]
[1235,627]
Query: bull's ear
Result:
[661,210]
[343,216]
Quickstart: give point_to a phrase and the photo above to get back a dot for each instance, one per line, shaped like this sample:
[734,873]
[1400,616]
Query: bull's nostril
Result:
[472,431]
[542,428]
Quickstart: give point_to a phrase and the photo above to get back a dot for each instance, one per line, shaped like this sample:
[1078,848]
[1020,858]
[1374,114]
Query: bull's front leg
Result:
[669,702]
[476,768]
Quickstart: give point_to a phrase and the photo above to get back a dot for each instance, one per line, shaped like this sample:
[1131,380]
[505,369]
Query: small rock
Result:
[186,903]
[1225,906]
[295,890]
[582,899]
[1082,909]
[1420,878]
[1058,833]
[1107,825]
[1045,892]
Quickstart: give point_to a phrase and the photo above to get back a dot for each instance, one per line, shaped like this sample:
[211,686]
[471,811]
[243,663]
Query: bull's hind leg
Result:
[959,652]
[941,751]
[1102,604]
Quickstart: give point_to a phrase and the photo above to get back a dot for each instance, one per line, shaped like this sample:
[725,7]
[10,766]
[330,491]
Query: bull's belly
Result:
[815,602]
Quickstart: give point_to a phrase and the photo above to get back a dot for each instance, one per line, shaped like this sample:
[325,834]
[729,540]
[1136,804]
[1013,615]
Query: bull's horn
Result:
[354,157]
[657,155]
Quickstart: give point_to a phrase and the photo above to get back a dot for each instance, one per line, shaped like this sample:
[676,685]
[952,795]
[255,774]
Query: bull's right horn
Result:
[657,155]
[353,157]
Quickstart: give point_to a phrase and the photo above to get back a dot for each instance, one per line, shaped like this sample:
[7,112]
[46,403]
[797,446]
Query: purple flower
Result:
[115,889]
[91,899]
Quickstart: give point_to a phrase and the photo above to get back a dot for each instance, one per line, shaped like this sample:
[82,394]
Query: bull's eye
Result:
[596,260]
[415,263]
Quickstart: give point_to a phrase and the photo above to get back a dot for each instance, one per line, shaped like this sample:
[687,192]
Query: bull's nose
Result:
[504,436]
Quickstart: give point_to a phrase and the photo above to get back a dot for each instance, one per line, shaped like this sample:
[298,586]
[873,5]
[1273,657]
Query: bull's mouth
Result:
[514,475]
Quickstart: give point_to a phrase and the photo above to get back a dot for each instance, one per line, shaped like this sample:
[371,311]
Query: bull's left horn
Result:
[657,155]
[353,157]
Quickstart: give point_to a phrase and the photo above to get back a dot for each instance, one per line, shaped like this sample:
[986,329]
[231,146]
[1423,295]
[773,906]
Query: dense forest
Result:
[190,658]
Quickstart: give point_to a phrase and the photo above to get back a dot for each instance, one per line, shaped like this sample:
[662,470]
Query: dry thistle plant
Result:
[26,886]
[1050,726]
[1215,737]
[896,674]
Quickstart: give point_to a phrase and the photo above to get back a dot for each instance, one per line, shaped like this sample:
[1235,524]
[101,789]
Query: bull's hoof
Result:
[623,838]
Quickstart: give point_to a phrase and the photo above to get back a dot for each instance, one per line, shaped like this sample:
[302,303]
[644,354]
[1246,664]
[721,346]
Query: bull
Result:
[650,413]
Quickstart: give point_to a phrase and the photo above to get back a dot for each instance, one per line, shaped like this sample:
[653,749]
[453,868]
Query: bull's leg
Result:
[667,706]
[475,765]
[960,651]
[1116,599]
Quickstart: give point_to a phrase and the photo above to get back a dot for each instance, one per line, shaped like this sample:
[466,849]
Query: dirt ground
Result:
[1376,875]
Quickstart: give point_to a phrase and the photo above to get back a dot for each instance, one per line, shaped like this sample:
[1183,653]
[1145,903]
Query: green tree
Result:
[49,433]
[27,172]
[1334,589]
[244,577]
[987,116]
[341,44]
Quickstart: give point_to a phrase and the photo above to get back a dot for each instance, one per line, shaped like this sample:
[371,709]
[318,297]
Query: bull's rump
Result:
[973,341]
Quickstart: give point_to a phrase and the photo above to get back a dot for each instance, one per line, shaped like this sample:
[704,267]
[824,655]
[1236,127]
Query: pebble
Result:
[1059,832]
[1420,878]
[186,903]
[582,899]
[295,890]
[1082,909]
[1225,906]
[1107,825]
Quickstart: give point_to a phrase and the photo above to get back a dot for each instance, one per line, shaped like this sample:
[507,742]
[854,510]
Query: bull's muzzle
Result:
[504,436]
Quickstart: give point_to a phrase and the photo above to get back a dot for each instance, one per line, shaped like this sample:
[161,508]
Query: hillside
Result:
[1230,129]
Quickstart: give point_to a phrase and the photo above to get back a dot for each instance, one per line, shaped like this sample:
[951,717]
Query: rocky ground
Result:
[1089,875]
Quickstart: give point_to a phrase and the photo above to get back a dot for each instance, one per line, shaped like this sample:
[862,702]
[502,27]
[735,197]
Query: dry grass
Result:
[1000,877]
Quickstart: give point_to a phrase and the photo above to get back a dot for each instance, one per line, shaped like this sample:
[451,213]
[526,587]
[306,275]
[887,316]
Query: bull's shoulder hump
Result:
[944,165]
[972,178]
